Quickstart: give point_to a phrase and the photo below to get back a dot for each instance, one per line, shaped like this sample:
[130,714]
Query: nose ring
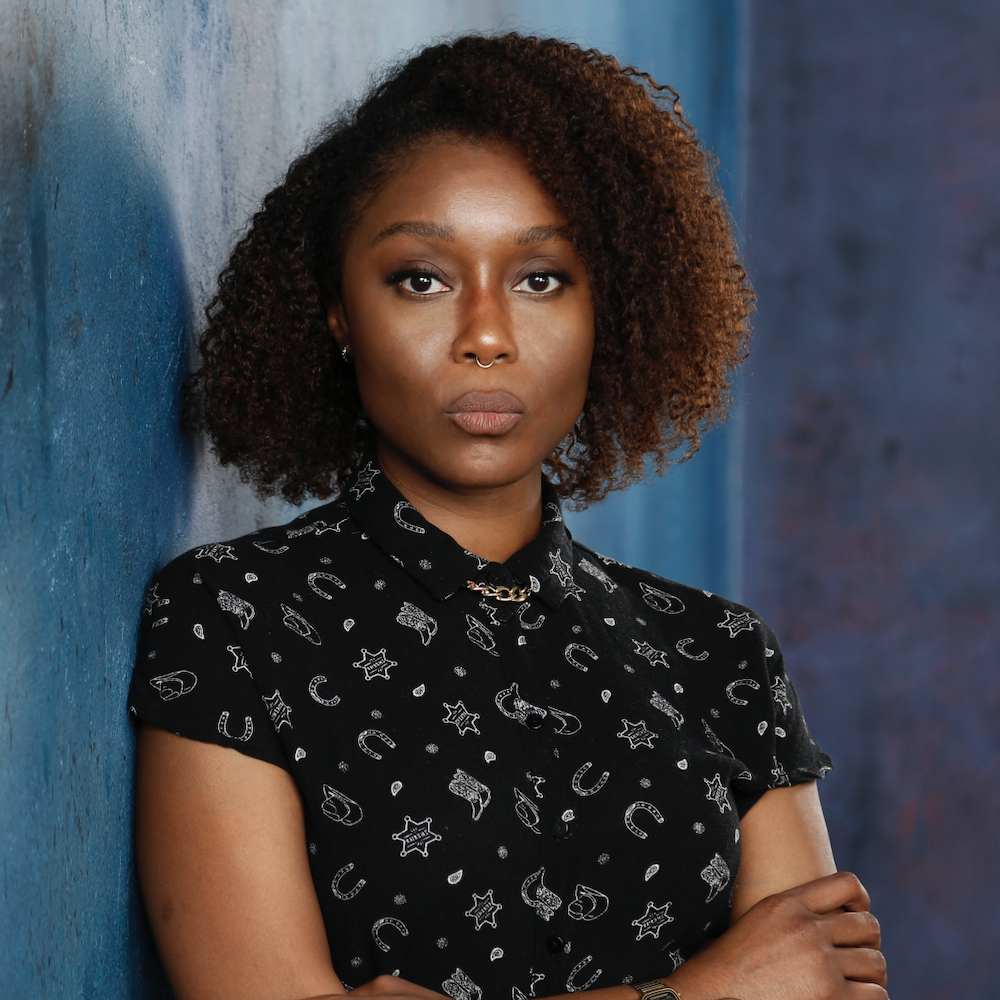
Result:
[481,365]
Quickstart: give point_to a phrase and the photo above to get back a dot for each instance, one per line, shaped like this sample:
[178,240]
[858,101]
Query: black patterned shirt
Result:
[501,799]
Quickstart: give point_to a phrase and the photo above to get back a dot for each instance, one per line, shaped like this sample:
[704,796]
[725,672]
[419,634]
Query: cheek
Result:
[567,359]
[394,355]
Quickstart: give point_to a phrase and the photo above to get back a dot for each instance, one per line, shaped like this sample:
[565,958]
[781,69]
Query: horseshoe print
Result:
[682,645]
[577,647]
[274,552]
[388,922]
[316,589]
[571,985]
[247,728]
[317,697]
[351,893]
[635,807]
[537,623]
[741,682]
[578,778]
[378,734]
[397,514]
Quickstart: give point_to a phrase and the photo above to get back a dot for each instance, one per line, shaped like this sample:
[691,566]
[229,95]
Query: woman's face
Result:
[462,256]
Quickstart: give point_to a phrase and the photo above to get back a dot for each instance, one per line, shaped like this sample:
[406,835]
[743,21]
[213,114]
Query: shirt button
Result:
[555,944]
[498,576]
[562,829]
[534,720]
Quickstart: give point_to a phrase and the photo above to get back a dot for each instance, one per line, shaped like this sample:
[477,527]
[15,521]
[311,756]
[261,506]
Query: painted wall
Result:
[873,445]
[136,138]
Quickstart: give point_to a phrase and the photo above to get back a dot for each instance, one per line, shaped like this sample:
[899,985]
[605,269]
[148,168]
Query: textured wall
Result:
[94,482]
[135,139]
[873,439]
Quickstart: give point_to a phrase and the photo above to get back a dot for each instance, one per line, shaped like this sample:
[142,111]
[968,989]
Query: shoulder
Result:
[677,607]
[279,548]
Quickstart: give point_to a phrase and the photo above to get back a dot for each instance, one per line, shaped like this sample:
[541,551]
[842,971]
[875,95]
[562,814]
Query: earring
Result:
[345,353]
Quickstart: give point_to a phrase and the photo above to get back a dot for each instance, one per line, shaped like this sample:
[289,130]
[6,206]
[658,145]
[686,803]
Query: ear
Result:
[336,321]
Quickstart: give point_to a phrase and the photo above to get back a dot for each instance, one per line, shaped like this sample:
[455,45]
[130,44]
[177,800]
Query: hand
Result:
[817,941]
[396,987]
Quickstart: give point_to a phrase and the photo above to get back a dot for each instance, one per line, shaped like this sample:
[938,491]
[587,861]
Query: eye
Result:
[540,282]
[417,282]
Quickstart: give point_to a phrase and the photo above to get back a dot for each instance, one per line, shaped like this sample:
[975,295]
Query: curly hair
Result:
[612,148]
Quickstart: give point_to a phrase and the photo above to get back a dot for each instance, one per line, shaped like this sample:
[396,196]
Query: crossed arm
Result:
[225,876]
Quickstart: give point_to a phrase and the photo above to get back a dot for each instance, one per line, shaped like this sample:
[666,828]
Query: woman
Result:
[418,741]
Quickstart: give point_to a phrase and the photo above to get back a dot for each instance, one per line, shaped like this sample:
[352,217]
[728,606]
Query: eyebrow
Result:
[425,230]
[436,231]
[541,234]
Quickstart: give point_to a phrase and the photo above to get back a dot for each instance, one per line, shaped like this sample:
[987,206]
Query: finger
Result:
[864,991]
[842,890]
[862,965]
[852,929]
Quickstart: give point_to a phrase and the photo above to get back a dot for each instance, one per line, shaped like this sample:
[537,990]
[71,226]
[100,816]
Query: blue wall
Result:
[94,480]
[688,525]
[135,139]
[873,445]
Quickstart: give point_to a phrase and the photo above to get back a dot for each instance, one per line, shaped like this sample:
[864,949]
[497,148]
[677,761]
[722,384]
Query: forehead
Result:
[462,184]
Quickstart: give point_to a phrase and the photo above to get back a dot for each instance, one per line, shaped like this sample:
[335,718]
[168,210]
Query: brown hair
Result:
[611,146]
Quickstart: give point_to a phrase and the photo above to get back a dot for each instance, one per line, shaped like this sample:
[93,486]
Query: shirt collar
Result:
[435,560]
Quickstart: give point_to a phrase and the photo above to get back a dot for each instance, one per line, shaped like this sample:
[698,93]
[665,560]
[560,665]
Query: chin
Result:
[490,463]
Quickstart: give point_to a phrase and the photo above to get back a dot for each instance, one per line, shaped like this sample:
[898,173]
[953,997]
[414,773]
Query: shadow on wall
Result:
[94,478]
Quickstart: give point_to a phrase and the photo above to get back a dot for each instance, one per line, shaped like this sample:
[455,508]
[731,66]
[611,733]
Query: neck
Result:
[490,522]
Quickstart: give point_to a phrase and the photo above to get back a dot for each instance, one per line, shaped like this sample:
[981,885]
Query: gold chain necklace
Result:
[517,593]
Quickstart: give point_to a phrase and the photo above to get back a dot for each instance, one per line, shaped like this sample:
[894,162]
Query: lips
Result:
[491,413]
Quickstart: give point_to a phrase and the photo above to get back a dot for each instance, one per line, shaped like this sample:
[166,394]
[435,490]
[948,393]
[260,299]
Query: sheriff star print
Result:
[484,910]
[416,837]
[563,572]
[718,793]
[656,657]
[652,921]
[461,718]
[363,483]
[779,691]
[738,623]
[375,664]
[216,551]
[281,714]
[154,601]
[638,734]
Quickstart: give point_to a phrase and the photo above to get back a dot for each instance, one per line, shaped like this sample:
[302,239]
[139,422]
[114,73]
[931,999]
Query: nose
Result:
[485,329]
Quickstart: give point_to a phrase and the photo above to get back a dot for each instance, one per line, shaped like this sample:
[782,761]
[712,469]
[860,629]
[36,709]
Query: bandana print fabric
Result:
[502,800]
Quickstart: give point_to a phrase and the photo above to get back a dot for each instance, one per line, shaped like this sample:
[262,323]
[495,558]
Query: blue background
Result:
[853,499]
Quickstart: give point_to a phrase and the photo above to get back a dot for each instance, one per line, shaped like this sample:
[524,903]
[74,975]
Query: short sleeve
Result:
[193,674]
[763,722]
